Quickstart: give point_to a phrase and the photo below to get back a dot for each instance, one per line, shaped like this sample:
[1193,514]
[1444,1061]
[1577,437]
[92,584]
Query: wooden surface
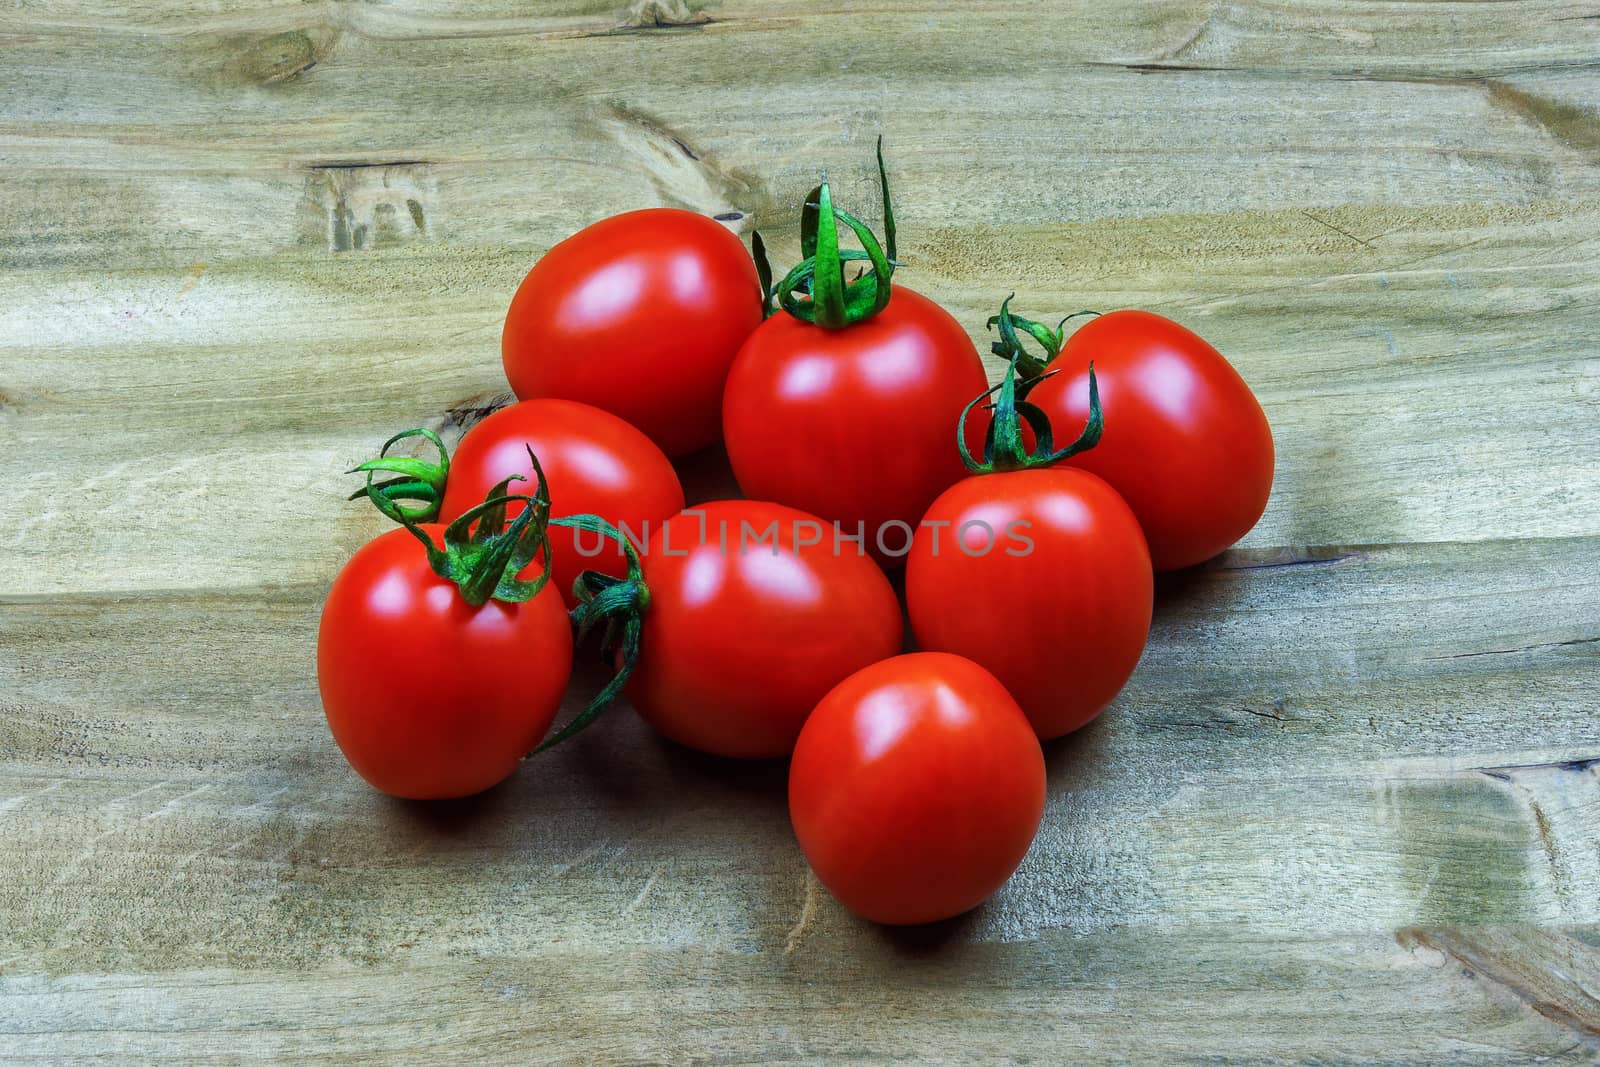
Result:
[1347,810]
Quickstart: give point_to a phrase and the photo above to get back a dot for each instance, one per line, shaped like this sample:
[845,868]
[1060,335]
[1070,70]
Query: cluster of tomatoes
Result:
[860,426]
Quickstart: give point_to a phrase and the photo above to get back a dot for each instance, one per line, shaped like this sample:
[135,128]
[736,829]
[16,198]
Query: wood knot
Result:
[275,59]
[355,205]
[465,414]
[664,15]
[685,174]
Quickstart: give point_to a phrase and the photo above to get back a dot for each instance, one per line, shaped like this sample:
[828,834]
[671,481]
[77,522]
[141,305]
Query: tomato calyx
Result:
[1004,447]
[620,604]
[416,479]
[1009,345]
[482,554]
[815,289]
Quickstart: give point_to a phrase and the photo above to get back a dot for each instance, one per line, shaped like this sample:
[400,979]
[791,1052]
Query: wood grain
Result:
[1346,810]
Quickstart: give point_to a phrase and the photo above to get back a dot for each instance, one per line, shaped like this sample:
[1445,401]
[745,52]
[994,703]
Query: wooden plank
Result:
[1345,811]
[1384,1003]
[1312,750]
[209,140]
[1411,383]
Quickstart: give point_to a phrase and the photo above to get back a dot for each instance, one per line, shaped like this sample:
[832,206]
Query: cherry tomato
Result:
[1185,443]
[639,314]
[428,696]
[1041,576]
[916,788]
[743,634]
[856,425]
[595,464]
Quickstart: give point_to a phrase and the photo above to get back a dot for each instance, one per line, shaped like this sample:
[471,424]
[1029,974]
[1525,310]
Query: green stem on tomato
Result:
[1005,448]
[482,554]
[1050,339]
[815,290]
[419,480]
[620,604]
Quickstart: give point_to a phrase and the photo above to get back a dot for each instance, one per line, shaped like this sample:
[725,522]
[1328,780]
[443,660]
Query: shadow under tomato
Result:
[1178,588]
[456,818]
[929,940]
[627,772]
[1080,756]
[764,778]
[1205,588]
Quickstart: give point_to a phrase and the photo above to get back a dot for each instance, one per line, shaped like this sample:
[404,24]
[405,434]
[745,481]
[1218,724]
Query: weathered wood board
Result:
[1347,811]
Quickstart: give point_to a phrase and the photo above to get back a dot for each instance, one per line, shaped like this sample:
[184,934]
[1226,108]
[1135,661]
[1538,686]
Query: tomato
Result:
[916,788]
[595,464]
[856,425]
[428,696]
[639,314]
[845,403]
[1043,577]
[1185,443]
[743,633]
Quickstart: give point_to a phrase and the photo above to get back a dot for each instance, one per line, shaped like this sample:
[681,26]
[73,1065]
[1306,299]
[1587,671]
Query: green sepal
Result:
[617,603]
[815,290]
[888,209]
[419,480]
[483,556]
[827,281]
[833,303]
[1005,448]
[395,489]
[758,252]
[799,277]
[810,214]
[1050,339]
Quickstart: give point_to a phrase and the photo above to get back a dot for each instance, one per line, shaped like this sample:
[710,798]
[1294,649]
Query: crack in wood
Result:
[1576,766]
[1286,558]
[1516,651]
[1276,714]
[1162,68]
[1364,242]
[361,164]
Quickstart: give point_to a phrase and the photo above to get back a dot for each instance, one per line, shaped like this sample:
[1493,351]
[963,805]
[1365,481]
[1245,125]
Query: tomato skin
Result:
[855,425]
[427,696]
[594,464]
[916,788]
[1062,624]
[639,314]
[738,646]
[1186,442]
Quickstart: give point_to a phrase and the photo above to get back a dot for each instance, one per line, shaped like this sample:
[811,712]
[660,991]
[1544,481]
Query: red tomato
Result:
[1041,576]
[595,464]
[1185,443]
[740,641]
[428,696]
[916,788]
[640,315]
[856,425]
